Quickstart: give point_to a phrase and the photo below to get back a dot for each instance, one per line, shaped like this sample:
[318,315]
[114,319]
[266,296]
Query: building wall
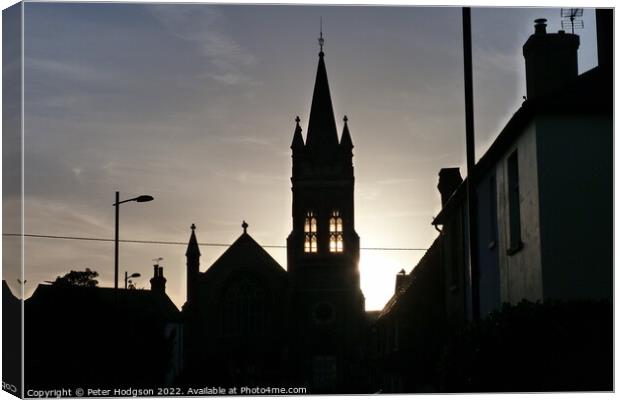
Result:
[488,258]
[575,166]
[411,330]
[520,273]
[454,262]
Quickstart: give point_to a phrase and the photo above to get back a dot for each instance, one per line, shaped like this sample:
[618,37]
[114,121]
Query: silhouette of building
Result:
[11,340]
[544,208]
[249,320]
[102,337]
[409,331]
[544,188]
[235,316]
[544,198]
[323,249]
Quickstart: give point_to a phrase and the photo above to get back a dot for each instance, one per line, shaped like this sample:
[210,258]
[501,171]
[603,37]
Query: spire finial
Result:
[193,227]
[297,119]
[345,119]
[245,225]
[321,40]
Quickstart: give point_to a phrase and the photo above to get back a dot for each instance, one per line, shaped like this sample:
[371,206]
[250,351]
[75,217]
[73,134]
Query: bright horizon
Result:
[195,105]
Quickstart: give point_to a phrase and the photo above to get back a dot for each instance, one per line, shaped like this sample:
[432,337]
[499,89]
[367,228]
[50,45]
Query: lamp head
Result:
[144,198]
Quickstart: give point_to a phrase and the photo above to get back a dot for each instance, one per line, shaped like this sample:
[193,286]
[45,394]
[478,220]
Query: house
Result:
[410,329]
[11,340]
[544,189]
[544,230]
[106,338]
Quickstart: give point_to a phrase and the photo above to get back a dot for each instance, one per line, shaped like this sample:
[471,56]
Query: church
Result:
[248,320]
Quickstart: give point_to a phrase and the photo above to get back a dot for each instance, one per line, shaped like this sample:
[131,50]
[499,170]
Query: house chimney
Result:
[550,60]
[449,181]
[400,279]
[158,282]
[605,37]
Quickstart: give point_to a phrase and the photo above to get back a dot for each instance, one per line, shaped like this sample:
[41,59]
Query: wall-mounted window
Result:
[310,240]
[324,371]
[243,311]
[514,208]
[335,233]
[492,212]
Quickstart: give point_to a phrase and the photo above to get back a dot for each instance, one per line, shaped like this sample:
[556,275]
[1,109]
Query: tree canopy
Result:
[84,278]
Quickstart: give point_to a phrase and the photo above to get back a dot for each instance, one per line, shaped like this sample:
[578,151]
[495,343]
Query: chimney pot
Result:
[540,26]
[400,279]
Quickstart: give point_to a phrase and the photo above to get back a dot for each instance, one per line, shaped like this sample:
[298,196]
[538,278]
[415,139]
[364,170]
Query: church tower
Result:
[323,247]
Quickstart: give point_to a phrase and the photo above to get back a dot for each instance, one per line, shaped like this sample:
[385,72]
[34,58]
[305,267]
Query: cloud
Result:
[67,70]
[247,140]
[203,27]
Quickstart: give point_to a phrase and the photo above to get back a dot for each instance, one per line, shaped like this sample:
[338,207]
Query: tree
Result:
[84,278]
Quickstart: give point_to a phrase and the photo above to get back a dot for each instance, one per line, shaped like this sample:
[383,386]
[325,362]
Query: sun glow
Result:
[377,277]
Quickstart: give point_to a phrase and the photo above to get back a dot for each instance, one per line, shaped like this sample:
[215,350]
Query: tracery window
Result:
[335,233]
[310,239]
[243,311]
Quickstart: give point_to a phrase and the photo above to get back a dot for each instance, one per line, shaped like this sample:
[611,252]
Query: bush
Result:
[533,347]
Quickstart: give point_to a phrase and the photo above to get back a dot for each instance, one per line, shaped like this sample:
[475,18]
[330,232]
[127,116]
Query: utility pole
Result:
[472,217]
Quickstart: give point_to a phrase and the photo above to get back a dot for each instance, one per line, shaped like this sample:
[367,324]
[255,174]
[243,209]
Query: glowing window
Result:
[310,240]
[335,233]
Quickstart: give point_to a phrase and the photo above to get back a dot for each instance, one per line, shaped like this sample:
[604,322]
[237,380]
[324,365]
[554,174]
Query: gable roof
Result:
[420,272]
[245,252]
[590,93]
[143,303]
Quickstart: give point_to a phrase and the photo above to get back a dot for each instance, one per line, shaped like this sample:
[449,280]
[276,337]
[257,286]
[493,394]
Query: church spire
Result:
[322,138]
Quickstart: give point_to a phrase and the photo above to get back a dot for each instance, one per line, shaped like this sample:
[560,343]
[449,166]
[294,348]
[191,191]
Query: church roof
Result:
[244,253]
[322,137]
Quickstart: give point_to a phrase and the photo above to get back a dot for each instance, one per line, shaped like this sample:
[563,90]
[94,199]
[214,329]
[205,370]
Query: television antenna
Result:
[570,18]
[157,260]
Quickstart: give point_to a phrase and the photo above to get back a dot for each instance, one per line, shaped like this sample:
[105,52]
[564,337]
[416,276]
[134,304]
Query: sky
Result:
[195,105]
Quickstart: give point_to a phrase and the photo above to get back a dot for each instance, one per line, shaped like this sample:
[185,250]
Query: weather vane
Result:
[321,40]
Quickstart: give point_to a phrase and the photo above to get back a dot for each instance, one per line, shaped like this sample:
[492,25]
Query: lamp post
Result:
[140,199]
[134,275]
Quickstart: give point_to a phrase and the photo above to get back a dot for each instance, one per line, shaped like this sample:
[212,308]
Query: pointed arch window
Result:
[310,240]
[335,233]
[244,309]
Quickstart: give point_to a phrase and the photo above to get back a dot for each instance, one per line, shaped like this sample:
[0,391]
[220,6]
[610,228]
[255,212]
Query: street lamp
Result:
[140,199]
[134,275]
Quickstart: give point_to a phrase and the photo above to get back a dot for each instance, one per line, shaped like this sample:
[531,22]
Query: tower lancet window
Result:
[335,233]
[310,240]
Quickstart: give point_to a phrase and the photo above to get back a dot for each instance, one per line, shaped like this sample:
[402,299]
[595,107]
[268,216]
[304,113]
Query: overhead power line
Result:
[94,239]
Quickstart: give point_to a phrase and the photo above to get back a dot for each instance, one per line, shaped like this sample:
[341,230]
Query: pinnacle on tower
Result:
[192,245]
[345,142]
